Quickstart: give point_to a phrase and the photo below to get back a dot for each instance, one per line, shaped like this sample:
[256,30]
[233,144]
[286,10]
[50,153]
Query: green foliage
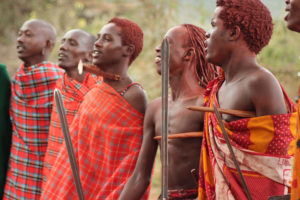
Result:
[155,17]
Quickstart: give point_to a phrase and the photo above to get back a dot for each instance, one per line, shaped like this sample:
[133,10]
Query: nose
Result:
[98,43]
[62,46]
[207,34]
[158,49]
[20,38]
[287,1]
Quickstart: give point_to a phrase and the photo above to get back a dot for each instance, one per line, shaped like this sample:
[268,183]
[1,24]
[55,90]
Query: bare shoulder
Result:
[137,98]
[153,106]
[265,92]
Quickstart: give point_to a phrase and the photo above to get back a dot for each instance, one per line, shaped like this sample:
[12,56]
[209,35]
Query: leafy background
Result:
[281,56]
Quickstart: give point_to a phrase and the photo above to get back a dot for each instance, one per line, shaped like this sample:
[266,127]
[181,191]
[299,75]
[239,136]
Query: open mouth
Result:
[157,59]
[96,53]
[20,48]
[61,55]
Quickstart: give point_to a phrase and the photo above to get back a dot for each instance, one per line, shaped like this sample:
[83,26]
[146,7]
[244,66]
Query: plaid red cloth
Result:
[262,145]
[72,94]
[31,104]
[107,135]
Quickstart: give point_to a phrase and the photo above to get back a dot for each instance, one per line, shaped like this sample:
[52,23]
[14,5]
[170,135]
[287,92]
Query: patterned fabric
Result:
[295,193]
[181,194]
[31,104]
[262,145]
[107,136]
[72,94]
[5,125]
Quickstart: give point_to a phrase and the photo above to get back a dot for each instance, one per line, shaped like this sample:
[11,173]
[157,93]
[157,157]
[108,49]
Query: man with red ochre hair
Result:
[262,144]
[31,105]
[293,23]
[107,131]
[75,45]
[189,75]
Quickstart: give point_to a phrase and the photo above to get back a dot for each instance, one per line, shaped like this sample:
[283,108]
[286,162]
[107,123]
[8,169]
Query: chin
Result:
[294,26]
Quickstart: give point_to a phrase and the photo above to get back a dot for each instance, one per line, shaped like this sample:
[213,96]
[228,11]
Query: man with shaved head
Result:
[75,45]
[31,106]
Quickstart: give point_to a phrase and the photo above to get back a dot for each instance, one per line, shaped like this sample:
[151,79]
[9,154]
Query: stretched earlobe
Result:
[88,57]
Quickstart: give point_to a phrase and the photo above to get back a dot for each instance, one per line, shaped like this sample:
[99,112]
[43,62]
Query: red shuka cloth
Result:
[31,105]
[107,135]
[262,145]
[72,93]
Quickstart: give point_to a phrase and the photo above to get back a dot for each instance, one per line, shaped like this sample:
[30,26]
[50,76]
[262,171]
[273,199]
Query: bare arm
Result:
[266,95]
[140,179]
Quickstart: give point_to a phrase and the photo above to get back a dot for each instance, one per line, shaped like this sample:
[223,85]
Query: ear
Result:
[49,44]
[189,54]
[235,33]
[88,57]
[129,50]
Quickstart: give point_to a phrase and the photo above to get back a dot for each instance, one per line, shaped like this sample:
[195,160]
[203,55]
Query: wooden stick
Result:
[238,113]
[182,135]
[95,70]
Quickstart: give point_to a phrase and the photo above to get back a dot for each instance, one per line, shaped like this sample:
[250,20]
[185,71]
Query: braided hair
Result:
[205,71]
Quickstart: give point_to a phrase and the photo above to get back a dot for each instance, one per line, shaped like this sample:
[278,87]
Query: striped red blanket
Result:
[107,136]
[31,105]
[72,93]
[263,147]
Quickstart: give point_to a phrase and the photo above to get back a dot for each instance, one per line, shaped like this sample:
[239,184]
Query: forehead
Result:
[177,33]
[111,29]
[76,35]
[217,13]
[32,26]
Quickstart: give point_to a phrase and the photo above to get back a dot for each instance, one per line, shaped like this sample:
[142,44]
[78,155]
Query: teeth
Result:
[96,52]
[60,55]
[80,67]
[157,59]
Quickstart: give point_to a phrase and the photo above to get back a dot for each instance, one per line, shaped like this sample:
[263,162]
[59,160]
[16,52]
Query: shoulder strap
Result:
[122,93]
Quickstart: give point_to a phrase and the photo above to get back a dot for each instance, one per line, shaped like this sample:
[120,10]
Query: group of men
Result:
[114,132]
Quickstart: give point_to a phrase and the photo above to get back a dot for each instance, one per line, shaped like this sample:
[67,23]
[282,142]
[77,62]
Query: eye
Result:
[106,38]
[73,43]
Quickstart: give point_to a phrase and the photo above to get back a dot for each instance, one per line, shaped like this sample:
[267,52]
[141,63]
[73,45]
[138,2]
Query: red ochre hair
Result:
[253,18]
[131,33]
[204,70]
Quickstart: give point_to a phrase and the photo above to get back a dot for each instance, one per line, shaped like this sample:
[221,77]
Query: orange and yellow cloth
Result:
[263,146]
[72,93]
[295,186]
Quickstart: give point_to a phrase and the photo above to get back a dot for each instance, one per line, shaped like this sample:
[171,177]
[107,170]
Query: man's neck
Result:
[185,84]
[120,69]
[74,74]
[238,64]
[34,61]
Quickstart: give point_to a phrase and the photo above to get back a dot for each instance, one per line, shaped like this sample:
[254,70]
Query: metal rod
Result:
[165,120]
